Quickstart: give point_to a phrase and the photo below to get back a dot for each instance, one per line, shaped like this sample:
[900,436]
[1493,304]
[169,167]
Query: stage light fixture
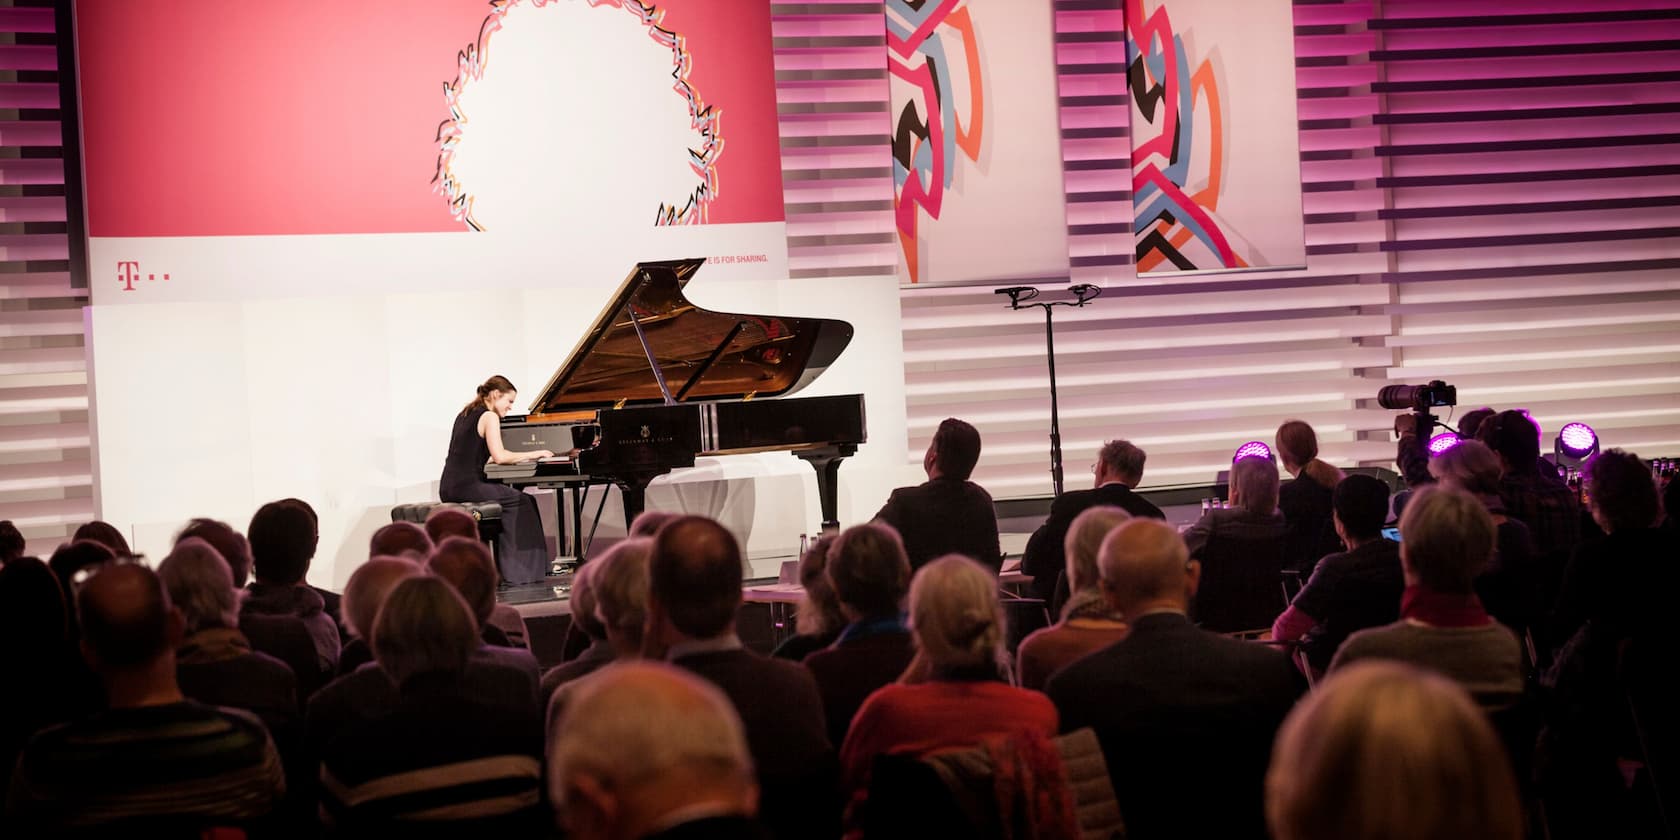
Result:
[1442,442]
[1575,444]
[1252,449]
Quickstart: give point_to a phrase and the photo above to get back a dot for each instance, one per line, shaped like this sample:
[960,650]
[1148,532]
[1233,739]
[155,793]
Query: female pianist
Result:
[521,550]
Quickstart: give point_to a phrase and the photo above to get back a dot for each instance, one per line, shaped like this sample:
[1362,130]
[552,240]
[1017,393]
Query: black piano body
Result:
[657,382]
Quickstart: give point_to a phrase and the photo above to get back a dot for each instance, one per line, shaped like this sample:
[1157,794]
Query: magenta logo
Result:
[128,273]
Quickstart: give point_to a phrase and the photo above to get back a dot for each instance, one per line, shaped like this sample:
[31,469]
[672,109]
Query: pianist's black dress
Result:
[521,550]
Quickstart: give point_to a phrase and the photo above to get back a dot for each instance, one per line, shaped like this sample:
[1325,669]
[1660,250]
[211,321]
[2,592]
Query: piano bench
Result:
[488,515]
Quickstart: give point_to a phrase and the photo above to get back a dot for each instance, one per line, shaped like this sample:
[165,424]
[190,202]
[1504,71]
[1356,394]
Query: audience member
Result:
[1626,577]
[648,523]
[1305,499]
[870,574]
[214,662]
[954,694]
[647,750]
[1242,553]
[586,621]
[947,514]
[1089,622]
[447,521]
[1511,587]
[503,678]
[402,539]
[621,591]
[819,619]
[451,521]
[153,755]
[442,759]
[282,536]
[1350,590]
[1446,537]
[106,535]
[1382,750]
[74,562]
[331,600]
[1541,501]
[363,594]
[1185,717]
[620,584]
[467,566]
[231,544]
[12,544]
[694,592]
[1118,469]
[1613,607]
[1253,514]
[47,682]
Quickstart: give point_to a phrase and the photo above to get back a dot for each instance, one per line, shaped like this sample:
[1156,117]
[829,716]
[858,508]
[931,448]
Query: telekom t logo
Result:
[128,273]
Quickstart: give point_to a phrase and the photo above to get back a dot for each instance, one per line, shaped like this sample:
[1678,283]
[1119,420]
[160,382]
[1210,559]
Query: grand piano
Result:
[657,381]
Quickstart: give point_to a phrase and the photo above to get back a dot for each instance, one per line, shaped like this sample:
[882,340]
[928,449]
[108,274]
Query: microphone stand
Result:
[1019,297]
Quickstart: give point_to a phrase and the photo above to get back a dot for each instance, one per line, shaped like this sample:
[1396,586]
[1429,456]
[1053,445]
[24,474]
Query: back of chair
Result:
[1240,583]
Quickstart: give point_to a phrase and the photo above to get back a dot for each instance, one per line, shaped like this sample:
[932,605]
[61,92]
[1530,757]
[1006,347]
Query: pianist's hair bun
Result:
[490,386]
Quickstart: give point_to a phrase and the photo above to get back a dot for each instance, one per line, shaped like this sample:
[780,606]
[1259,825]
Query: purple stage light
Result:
[1442,442]
[1577,440]
[1252,449]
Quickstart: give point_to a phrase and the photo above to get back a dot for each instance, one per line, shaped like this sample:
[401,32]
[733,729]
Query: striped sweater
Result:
[181,761]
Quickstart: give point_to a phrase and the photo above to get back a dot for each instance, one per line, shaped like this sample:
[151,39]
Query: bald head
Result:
[1144,565]
[694,574]
[400,538]
[369,585]
[127,621]
[446,522]
[467,566]
[655,737]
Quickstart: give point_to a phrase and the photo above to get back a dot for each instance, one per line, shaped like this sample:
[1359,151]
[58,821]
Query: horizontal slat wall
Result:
[46,477]
[831,105]
[1491,193]
[1537,242]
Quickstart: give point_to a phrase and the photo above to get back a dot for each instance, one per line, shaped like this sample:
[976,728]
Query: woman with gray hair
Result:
[441,758]
[1253,513]
[613,607]
[1243,550]
[1089,622]
[215,663]
[1512,587]
[363,595]
[953,694]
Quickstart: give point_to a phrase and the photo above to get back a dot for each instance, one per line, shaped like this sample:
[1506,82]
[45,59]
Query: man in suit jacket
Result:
[694,592]
[1185,717]
[1118,469]
[947,514]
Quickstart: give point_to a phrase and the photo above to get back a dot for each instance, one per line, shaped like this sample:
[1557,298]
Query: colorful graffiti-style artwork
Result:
[930,127]
[1177,162]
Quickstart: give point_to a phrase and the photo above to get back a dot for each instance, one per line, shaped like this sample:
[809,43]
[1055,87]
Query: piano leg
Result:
[634,494]
[826,461]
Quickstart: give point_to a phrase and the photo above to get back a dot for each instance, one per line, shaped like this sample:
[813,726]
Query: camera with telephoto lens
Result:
[1419,398]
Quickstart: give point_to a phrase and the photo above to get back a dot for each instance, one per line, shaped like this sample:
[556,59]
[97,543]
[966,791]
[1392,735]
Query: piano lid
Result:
[701,355]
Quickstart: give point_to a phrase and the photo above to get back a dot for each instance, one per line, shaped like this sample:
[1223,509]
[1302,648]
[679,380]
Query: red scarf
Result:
[1443,609]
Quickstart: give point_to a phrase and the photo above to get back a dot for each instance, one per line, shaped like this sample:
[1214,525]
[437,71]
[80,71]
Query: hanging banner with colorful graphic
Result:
[976,150]
[1216,167]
